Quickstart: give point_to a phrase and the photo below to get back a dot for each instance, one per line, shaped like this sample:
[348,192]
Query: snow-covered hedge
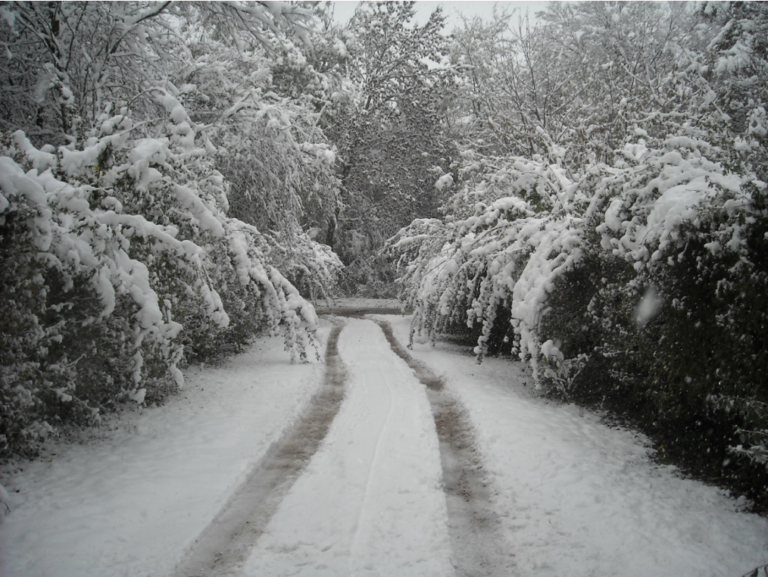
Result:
[119,264]
[652,270]
[271,150]
[611,229]
[522,233]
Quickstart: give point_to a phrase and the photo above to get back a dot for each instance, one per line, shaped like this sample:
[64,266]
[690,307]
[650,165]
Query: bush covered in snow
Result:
[633,274]
[117,258]
[121,256]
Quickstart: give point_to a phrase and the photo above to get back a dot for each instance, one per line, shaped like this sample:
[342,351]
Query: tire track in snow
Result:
[372,467]
[479,549]
[224,545]
[370,503]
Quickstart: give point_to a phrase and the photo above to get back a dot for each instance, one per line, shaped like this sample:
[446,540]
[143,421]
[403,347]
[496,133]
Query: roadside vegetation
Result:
[586,191]
[608,220]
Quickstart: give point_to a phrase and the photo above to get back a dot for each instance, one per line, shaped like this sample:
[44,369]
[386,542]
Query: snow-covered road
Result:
[578,498]
[370,502]
[571,496]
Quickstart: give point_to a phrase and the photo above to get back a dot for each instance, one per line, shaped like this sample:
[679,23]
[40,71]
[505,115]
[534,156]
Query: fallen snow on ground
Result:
[370,501]
[131,503]
[578,498]
[575,497]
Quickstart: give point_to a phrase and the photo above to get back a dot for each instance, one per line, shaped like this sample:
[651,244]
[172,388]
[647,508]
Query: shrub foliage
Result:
[629,271]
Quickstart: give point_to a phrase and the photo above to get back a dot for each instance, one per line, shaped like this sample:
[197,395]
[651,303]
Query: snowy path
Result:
[130,504]
[478,546]
[380,490]
[225,543]
[580,499]
[370,501]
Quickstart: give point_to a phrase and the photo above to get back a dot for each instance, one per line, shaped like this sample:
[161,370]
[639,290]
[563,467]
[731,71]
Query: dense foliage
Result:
[391,134]
[155,197]
[609,219]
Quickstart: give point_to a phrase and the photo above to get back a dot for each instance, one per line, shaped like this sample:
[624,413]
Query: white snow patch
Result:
[131,503]
[581,499]
[444,181]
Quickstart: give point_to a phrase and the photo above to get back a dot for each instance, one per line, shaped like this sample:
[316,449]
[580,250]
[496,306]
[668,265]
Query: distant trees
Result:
[391,133]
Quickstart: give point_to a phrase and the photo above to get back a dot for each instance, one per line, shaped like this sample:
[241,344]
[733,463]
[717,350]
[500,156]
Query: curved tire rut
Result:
[479,548]
[225,544]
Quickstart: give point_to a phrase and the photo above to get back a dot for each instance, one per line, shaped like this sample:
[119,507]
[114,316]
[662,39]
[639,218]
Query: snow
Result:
[613,214]
[445,181]
[551,351]
[579,498]
[131,503]
[190,200]
[574,497]
[370,501]
[340,48]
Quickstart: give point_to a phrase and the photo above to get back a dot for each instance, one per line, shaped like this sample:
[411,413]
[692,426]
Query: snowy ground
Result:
[130,504]
[573,496]
[370,502]
[578,498]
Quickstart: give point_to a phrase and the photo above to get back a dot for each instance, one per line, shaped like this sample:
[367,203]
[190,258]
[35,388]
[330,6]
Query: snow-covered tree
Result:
[612,233]
[580,80]
[123,261]
[390,134]
[270,148]
[66,61]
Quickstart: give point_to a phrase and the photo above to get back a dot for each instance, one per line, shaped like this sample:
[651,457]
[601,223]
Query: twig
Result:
[756,571]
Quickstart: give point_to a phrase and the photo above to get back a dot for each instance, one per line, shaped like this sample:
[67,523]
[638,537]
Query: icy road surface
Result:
[569,496]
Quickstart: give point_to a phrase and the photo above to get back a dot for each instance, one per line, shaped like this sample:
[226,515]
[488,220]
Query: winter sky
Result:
[344,9]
